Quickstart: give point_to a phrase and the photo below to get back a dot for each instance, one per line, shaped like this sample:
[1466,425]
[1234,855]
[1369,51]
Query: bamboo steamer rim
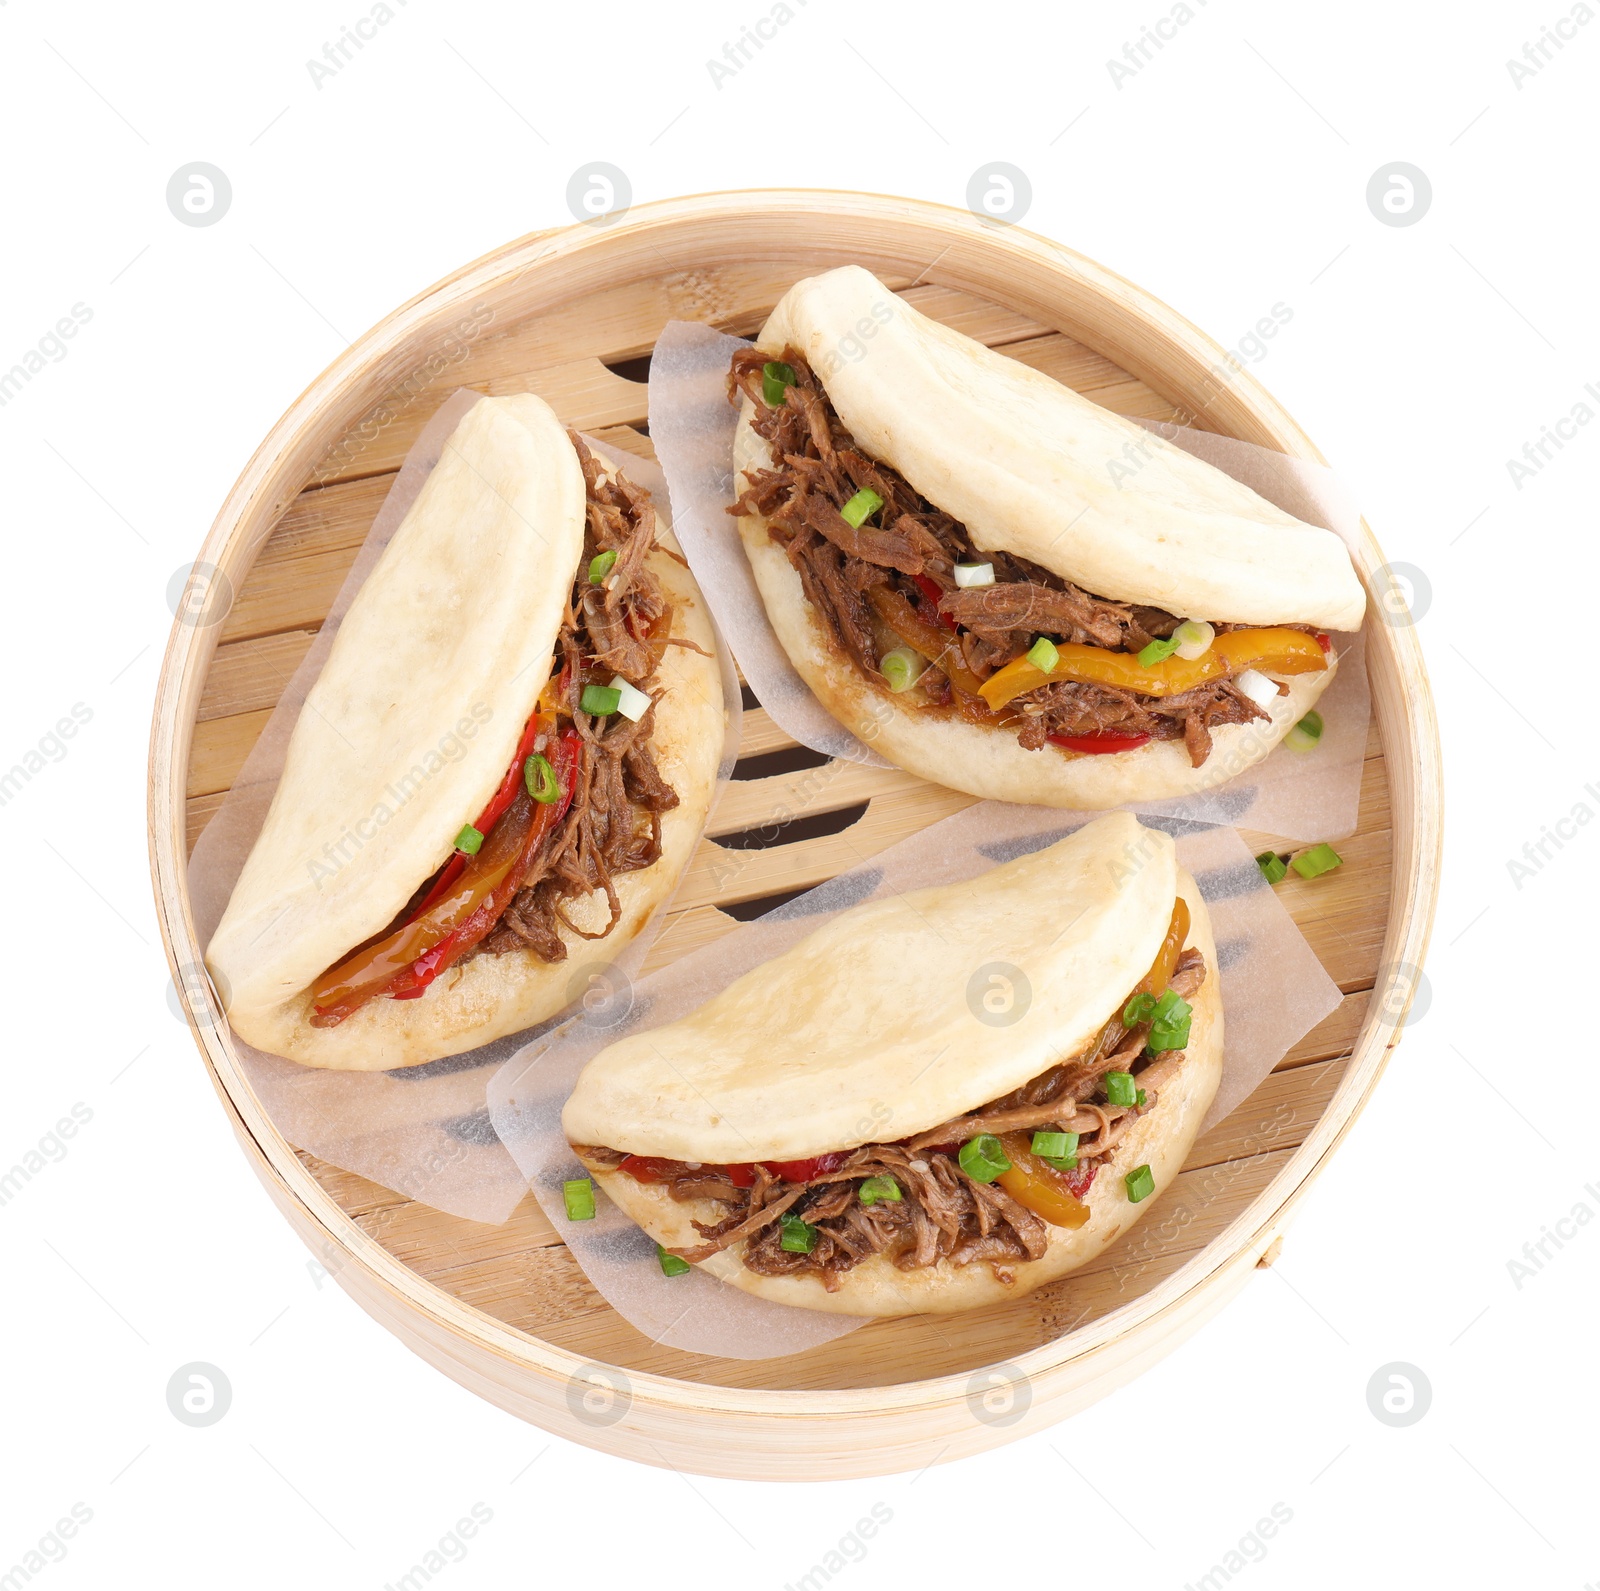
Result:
[1120,320]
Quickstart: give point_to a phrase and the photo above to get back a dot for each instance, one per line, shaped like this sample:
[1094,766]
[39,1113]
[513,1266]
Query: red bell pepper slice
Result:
[931,591]
[499,804]
[743,1172]
[805,1170]
[649,1168]
[1079,1181]
[1324,642]
[1102,745]
[411,985]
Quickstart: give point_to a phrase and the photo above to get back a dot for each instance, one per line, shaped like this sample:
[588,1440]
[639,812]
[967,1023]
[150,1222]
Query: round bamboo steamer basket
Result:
[572,314]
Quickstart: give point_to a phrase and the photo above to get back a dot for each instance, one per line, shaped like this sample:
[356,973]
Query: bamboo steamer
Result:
[504,1310]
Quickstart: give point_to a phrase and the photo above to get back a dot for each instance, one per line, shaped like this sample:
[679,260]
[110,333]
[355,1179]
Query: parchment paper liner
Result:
[422,1130]
[1273,988]
[1309,796]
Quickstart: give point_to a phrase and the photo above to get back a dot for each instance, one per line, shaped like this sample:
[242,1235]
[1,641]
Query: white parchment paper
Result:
[423,1130]
[1274,991]
[1310,795]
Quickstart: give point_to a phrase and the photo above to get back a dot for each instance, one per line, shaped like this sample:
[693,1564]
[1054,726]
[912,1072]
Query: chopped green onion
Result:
[1305,735]
[599,699]
[540,778]
[797,1236]
[579,1197]
[1169,1023]
[1318,860]
[1120,1088]
[1046,1144]
[468,840]
[671,1264]
[875,1188]
[1138,1010]
[1043,654]
[1140,1100]
[1057,1149]
[1157,652]
[1273,867]
[1261,690]
[1194,638]
[776,378]
[632,704]
[600,566]
[1141,1184]
[983,1158]
[969,575]
[902,668]
[861,507]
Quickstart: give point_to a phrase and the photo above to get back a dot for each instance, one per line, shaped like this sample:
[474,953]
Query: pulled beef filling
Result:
[613,825]
[818,468]
[942,1214]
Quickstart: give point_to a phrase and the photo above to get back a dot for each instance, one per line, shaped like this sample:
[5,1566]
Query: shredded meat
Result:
[613,826]
[942,1214]
[817,468]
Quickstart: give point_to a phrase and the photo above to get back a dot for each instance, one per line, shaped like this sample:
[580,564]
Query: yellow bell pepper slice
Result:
[1275,650]
[1037,1187]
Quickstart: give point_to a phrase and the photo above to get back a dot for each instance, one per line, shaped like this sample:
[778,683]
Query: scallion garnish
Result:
[1169,1024]
[1318,860]
[861,508]
[983,1158]
[796,1237]
[1157,652]
[468,841]
[902,668]
[776,379]
[671,1264]
[1140,1100]
[601,565]
[631,703]
[1043,654]
[1261,690]
[1121,1088]
[1194,638]
[579,1197]
[968,575]
[1057,1149]
[599,699]
[540,778]
[1138,1010]
[1305,735]
[1273,867]
[1141,1183]
[875,1188]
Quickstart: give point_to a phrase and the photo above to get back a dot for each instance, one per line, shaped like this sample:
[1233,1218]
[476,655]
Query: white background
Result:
[1226,175]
